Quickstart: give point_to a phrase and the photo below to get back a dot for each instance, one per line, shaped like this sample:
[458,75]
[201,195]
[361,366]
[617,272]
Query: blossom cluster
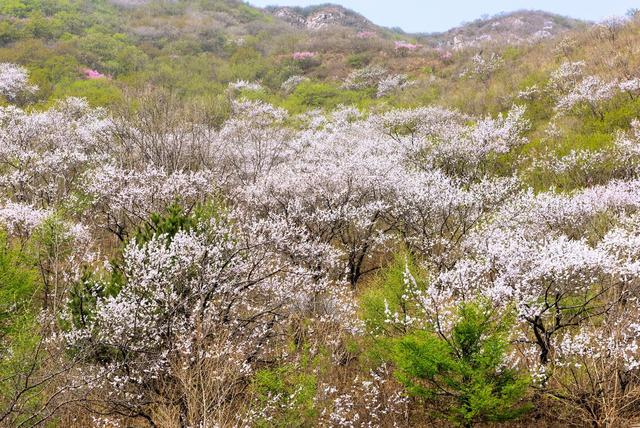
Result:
[292,83]
[303,55]
[93,74]
[378,78]
[241,85]
[483,66]
[366,34]
[404,46]
[571,88]
[14,80]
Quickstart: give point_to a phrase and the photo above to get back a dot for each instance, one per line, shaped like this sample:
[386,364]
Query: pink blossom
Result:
[301,56]
[93,74]
[406,46]
[366,34]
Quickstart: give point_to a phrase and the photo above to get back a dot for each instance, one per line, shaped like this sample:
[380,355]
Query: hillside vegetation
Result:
[215,215]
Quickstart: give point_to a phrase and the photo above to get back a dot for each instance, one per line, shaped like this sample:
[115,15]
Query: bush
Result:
[288,393]
[100,92]
[324,95]
[459,371]
[463,374]
[359,60]
[18,284]
[19,330]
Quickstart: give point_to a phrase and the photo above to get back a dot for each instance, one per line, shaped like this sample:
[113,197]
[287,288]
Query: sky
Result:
[440,15]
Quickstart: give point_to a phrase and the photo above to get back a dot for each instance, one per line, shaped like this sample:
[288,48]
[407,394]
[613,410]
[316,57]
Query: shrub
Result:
[18,284]
[459,370]
[99,92]
[285,396]
[19,331]
[463,373]
[324,95]
[359,60]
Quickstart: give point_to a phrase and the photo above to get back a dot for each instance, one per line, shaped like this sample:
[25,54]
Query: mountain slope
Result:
[321,16]
[196,49]
[523,26]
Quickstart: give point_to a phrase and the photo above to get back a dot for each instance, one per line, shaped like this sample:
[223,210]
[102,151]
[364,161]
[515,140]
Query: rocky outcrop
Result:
[319,17]
[512,28]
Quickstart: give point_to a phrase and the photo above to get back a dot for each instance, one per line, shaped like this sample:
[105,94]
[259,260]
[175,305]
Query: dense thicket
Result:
[272,257]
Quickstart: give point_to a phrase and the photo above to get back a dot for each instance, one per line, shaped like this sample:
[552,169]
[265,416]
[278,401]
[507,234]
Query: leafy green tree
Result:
[459,370]
[463,373]
[16,8]
[169,223]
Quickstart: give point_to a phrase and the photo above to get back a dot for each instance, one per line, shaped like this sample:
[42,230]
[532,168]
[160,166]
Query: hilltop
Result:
[321,16]
[524,26]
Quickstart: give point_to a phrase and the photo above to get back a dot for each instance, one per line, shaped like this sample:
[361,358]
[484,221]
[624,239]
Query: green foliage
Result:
[109,53]
[463,374]
[99,92]
[617,114]
[83,297]
[19,286]
[17,8]
[313,95]
[359,60]
[309,95]
[416,96]
[512,53]
[245,63]
[52,240]
[19,327]
[291,391]
[168,223]
[9,32]
[387,292]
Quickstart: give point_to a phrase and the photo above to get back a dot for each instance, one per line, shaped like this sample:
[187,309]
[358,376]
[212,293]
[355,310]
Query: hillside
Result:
[322,16]
[217,215]
[222,41]
[507,29]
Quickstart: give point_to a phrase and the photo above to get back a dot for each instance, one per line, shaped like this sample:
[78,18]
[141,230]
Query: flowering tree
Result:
[178,294]
[121,199]
[366,77]
[14,80]
[252,141]
[591,91]
[303,55]
[630,86]
[43,160]
[610,26]
[240,85]
[392,83]
[93,74]
[404,47]
[483,67]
